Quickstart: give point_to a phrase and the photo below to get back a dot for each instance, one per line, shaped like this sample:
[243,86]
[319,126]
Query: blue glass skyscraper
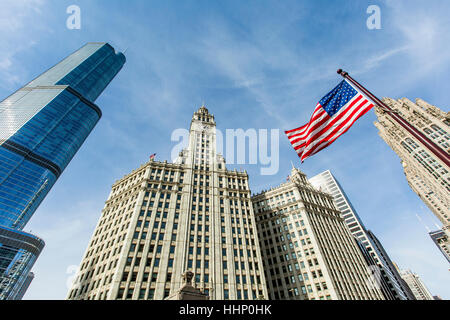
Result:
[42,126]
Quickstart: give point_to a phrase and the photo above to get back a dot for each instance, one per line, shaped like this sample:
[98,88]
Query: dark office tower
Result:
[387,263]
[42,126]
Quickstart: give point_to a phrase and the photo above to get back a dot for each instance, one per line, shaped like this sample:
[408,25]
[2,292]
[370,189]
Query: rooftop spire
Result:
[203,109]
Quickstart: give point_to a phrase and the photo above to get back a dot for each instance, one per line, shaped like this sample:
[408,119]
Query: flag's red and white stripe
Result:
[322,130]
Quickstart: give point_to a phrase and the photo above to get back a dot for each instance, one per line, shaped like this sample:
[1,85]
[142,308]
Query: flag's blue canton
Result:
[337,98]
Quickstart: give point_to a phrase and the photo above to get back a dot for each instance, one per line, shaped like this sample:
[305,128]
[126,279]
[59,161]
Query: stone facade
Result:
[427,175]
[188,291]
[164,219]
[308,251]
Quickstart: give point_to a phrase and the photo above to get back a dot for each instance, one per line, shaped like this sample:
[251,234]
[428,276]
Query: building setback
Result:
[165,219]
[426,174]
[373,251]
[42,126]
[441,240]
[308,251]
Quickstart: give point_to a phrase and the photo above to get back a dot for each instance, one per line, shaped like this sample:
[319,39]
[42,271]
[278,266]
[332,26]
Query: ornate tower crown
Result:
[203,115]
[203,110]
[298,176]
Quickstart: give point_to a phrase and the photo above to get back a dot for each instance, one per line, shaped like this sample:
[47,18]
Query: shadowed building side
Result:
[308,251]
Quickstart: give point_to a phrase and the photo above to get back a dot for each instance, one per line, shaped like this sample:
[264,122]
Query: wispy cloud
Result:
[378,59]
[18,21]
[419,43]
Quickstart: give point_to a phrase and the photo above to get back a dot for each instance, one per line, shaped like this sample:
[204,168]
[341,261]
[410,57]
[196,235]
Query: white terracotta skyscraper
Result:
[164,219]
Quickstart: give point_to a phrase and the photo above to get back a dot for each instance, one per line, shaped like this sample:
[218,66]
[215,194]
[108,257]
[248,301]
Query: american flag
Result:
[152,157]
[333,116]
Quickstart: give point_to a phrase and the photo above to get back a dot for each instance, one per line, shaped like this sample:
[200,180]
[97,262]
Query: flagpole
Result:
[434,148]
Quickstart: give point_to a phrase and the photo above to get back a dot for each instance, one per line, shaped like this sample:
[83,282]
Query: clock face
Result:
[205,127]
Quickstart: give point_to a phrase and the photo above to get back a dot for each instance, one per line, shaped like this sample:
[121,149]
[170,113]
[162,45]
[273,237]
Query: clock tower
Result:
[192,217]
[201,148]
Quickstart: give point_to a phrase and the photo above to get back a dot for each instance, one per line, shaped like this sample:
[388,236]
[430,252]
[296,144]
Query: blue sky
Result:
[255,64]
